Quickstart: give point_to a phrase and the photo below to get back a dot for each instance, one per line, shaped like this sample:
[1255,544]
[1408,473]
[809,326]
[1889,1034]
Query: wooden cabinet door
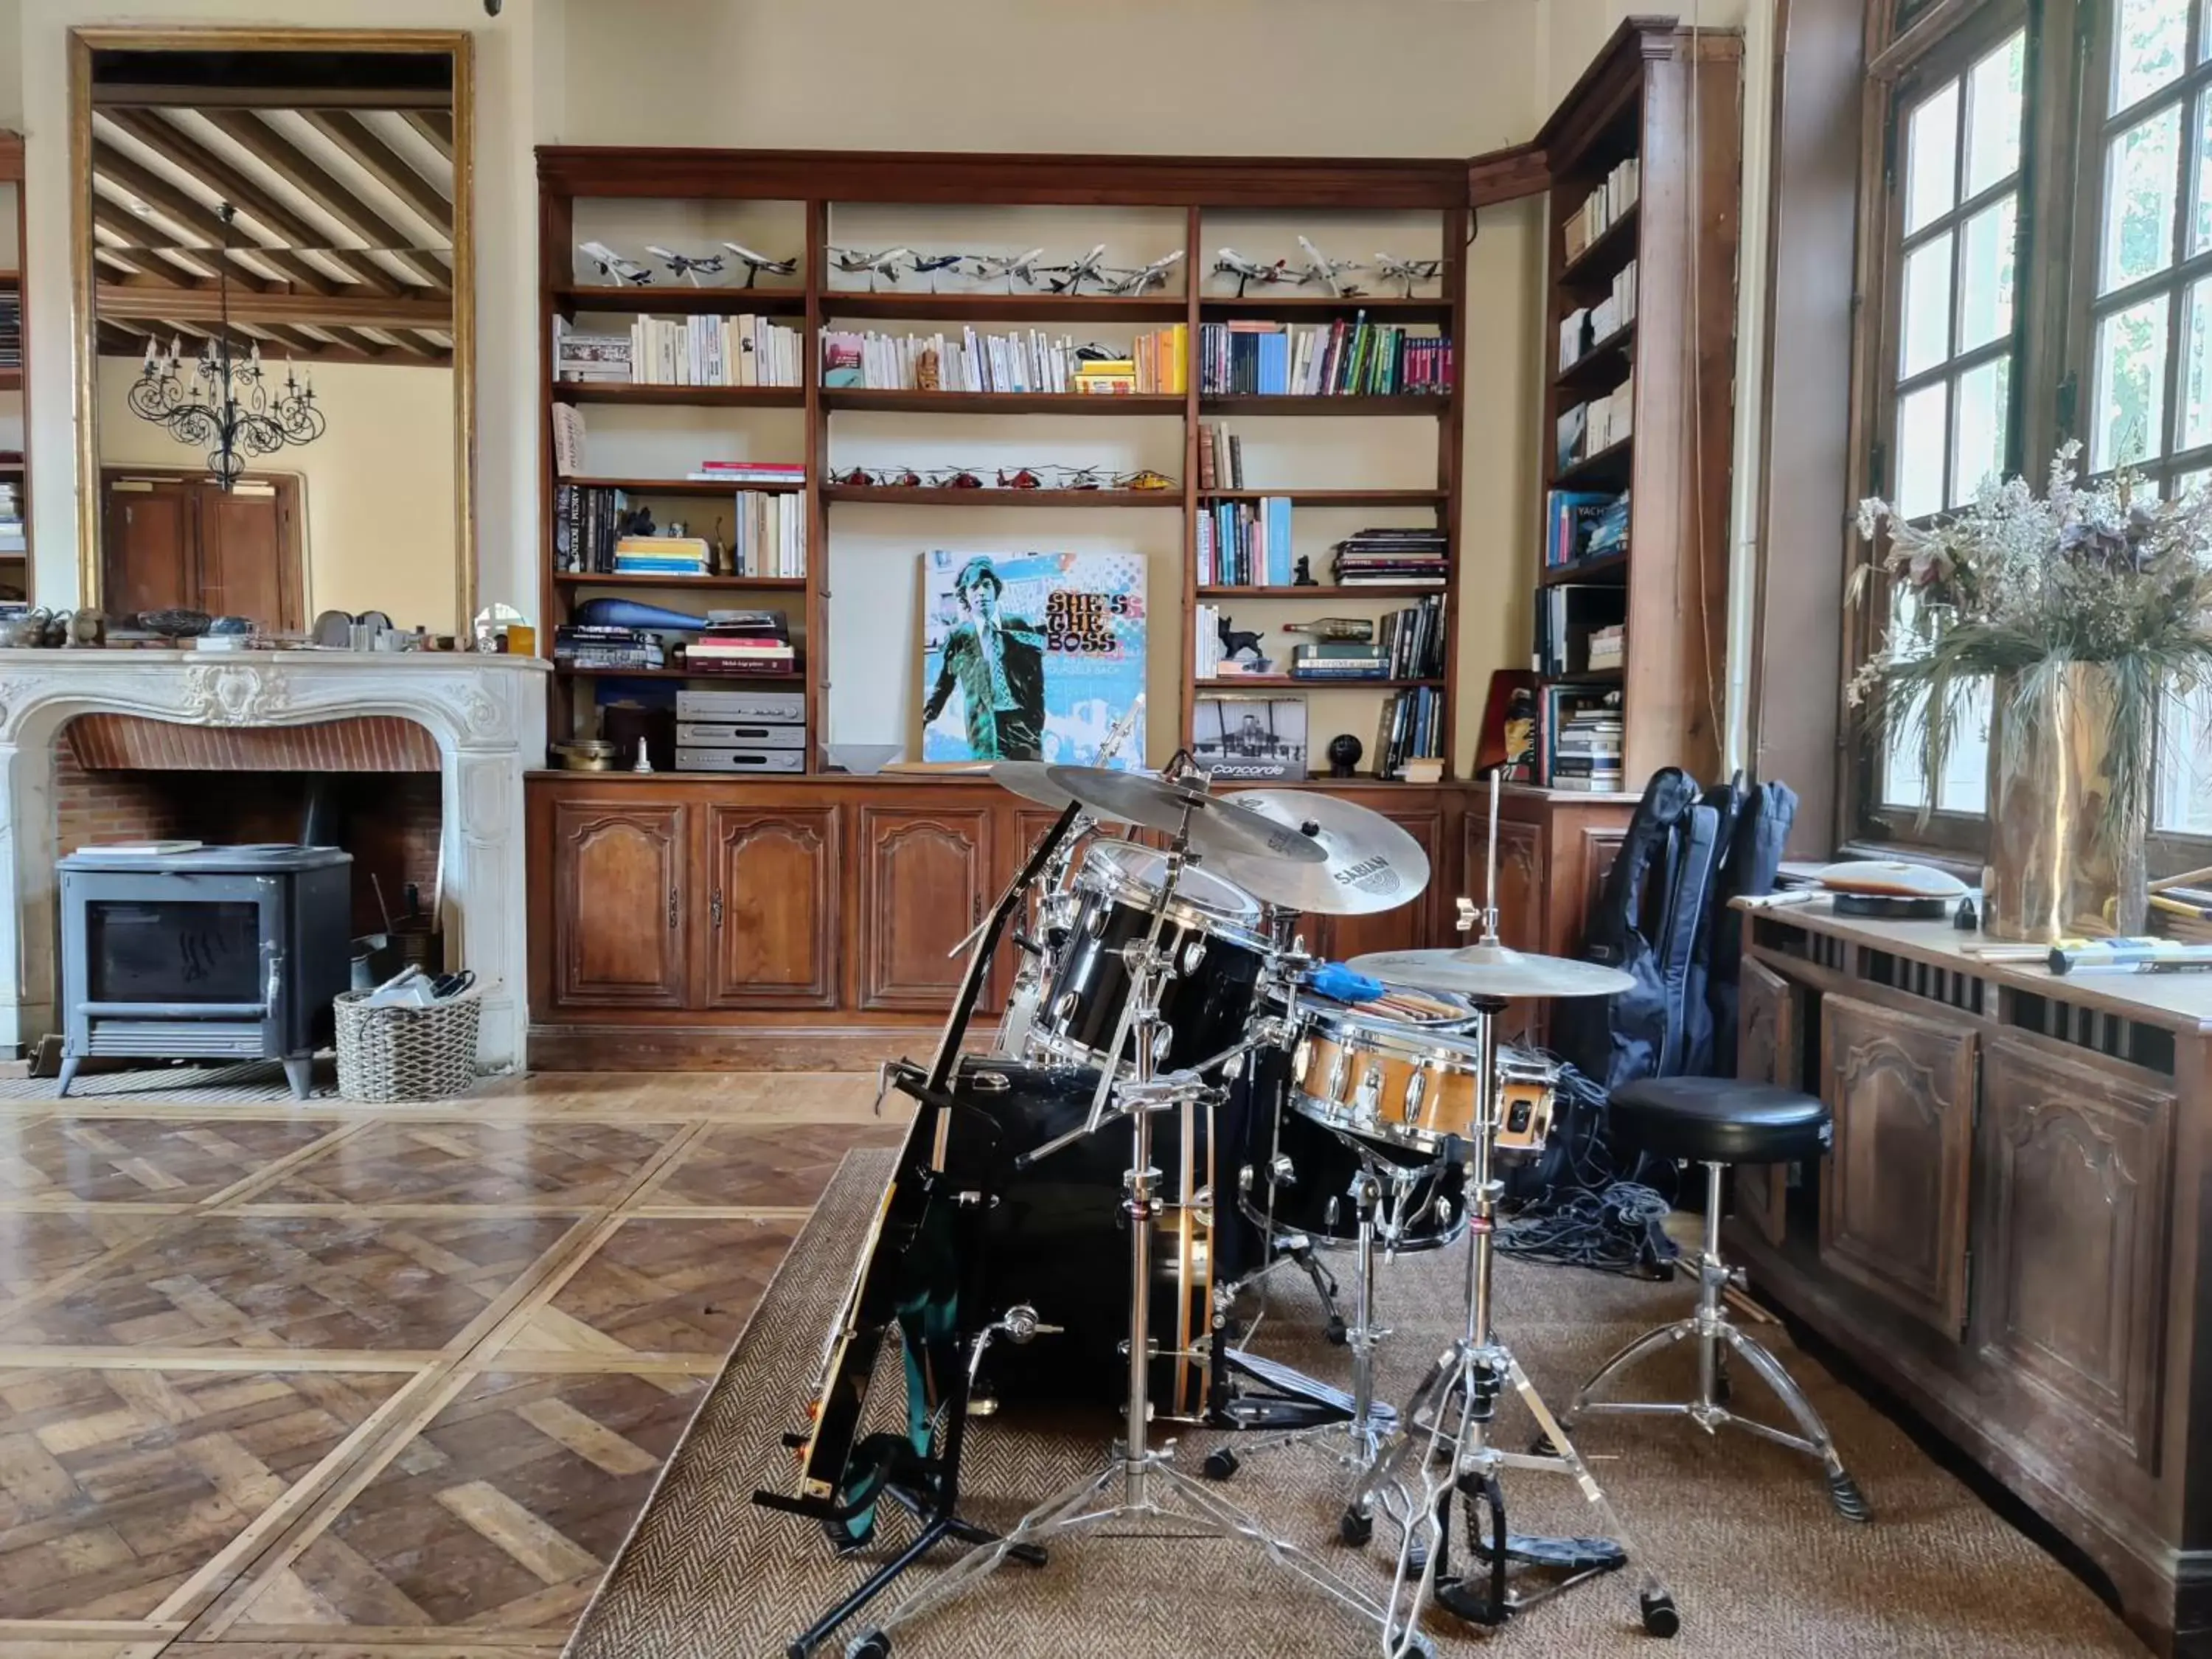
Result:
[619,911]
[923,876]
[1410,927]
[248,564]
[148,545]
[1894,1202]
[2071,1252]
[772,878]
[1767,1051]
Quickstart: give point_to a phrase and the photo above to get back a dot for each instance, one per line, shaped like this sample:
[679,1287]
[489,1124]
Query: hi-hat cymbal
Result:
[1370,864]
[1154,803]
[1491,970]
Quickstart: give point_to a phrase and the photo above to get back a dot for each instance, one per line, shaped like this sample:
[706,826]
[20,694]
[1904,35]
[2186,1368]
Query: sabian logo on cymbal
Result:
[1373,875]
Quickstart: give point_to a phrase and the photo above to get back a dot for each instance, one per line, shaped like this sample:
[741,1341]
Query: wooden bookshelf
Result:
[1667,97]
[817,182]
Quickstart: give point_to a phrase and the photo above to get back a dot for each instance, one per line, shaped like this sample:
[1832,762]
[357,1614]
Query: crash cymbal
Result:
[1370,864]
[1155,803]
[1491,970]
[1027,779]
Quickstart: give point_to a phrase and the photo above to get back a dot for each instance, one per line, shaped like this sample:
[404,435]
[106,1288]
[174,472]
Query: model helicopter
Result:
[612,266]
[1407,272]
[928,265]
[1070,278]
[1145,278]
[684,266]
[1231,263]
[756,263]
[1022,268]
[886,264]
[1320,268]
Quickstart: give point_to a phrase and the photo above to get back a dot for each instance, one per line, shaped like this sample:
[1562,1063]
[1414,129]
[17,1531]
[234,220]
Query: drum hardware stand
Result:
[1474,1372]
[1135,1477]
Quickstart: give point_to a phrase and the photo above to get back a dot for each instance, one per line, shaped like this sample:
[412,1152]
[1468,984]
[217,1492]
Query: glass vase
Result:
[2063,863]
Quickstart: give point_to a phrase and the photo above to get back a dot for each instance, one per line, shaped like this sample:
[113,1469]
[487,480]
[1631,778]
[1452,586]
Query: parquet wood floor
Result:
[334,1383]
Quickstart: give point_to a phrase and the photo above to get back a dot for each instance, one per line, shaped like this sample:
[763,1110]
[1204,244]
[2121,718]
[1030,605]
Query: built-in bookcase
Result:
[1346,462]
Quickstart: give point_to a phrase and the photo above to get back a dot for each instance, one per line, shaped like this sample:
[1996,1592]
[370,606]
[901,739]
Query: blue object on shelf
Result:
[607,612]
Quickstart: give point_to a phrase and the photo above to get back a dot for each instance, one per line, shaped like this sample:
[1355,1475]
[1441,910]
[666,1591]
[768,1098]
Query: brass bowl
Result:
[585,755]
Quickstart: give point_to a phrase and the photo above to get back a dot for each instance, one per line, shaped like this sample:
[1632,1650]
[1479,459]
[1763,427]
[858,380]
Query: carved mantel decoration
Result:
[485,713]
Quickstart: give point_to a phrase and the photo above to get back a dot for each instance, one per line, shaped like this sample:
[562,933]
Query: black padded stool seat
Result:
[1717,1119]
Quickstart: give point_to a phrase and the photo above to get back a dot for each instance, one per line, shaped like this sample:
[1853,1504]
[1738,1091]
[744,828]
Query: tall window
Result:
[1955,199]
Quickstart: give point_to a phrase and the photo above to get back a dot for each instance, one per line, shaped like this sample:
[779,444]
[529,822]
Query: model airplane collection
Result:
[1045,476]
[1029,268]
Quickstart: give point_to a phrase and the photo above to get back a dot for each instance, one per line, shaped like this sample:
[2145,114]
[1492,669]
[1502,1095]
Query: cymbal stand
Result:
[1137,1483]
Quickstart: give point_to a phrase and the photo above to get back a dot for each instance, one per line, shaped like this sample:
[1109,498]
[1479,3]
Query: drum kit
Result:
[1171,1059]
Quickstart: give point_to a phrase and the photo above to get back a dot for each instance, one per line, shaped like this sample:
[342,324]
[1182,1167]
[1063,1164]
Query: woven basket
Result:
[406,1054]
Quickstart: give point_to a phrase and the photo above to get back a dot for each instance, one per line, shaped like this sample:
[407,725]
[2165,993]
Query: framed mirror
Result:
[271,256]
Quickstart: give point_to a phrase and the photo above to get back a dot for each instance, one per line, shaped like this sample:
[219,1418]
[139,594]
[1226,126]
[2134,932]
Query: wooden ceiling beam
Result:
[178,209]
[188,154]
[283,158]
[113,96]
[132,229]
[383,164]
[436,127]
[317,310]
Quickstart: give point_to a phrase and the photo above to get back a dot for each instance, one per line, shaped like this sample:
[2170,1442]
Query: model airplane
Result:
[756,263]
[1320,268]
[886,264]
[612,265]
[682,265]
[1407,272]
[1022,268]
[1231,263]
[1145,278]
[928,265]
[1070,278]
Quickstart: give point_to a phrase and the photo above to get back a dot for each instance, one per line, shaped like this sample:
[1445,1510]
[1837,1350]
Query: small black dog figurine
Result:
[1234,640]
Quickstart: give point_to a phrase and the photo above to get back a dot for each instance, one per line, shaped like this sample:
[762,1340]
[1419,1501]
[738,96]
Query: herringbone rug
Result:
[1758,1564]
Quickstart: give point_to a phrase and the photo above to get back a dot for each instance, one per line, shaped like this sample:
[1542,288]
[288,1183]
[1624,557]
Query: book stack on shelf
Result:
[1220,458]
[1250,355]
[1409,743]
[1407,645]
[785,475]
[743,643]
[1411,556]
[11,328]
[676,557]
[1245,543]
[1586,327]
[1580,740]
[1604,207]
[706,351]
[1569,615]
[1027,360]
[1604,421]
[602,649]
[1583,524]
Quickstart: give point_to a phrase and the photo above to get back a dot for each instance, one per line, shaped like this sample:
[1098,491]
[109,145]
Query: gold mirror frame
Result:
[457,44]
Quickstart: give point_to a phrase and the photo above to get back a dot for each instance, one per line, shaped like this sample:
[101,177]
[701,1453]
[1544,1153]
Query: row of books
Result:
[1029,360]
[11,329]
[1602,208]
[1598,424]
[1412,729]
[1392,556]
[1586,325]
[746,351]
[1412,641]
[1340,359]
[1568,615]
[579,645]
[1158,362]
[1220,458]
[1583,524]
[769,536]
[1245,543]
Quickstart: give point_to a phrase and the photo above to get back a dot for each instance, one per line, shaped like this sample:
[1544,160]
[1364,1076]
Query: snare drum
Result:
[1212,936]
[1526,1090]
[1409,1081]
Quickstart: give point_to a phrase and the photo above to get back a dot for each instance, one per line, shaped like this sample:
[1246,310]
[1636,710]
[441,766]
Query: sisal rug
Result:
[1759,1566]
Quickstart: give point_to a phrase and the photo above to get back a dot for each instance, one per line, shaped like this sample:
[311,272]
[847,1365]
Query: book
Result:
[1353,358]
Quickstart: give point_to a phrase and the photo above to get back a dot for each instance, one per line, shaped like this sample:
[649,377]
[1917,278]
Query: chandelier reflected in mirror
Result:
[223,403]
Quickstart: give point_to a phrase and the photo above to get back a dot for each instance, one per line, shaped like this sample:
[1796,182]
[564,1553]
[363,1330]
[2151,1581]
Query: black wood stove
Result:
[218,953]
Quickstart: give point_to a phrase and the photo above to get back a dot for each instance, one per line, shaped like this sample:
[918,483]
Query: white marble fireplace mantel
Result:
[487,714]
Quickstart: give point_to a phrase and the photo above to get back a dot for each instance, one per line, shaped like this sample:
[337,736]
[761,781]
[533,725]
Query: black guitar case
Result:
[1726,800]
[1754,858]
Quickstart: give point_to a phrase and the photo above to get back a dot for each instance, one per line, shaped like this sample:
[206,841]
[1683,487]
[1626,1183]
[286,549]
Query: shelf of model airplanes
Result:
[1003,496]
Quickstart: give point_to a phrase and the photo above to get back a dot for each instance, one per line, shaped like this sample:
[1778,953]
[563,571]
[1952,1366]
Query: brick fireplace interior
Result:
[371,782]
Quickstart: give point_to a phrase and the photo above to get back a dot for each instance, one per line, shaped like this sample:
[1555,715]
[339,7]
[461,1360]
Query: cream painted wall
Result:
[377,487]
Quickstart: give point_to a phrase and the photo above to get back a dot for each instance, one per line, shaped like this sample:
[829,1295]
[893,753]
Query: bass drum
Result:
[1058,1241]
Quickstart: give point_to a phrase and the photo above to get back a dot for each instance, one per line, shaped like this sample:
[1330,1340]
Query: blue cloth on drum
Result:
[1339,984]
